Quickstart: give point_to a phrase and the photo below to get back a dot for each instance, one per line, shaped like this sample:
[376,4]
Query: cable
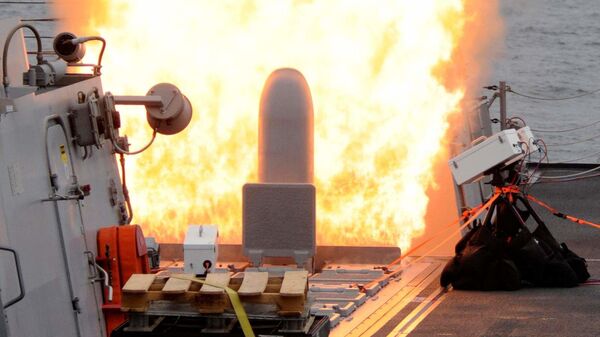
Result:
[577,142]
[518,118]
[561,215]
[569,180]
[580,158]
[570,175]
[42,20]
[125,190]
[529,179]
[93,38]
[122,151]
[566,130]
[473,215]
[552,99]
[40,57]
[26,2]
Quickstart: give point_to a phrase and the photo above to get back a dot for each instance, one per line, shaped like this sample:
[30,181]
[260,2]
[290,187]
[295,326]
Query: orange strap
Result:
[562,215]
[472,214]
[515,189]
[466,214]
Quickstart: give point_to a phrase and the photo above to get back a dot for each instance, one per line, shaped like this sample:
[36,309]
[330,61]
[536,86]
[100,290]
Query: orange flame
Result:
[379,75]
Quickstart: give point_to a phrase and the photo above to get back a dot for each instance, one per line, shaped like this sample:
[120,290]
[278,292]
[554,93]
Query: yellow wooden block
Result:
[220,279]
[254,283]
[294,283]
[139,283]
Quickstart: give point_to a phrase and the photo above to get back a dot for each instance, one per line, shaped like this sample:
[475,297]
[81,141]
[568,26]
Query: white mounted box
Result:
[200,249]
[500,149]
[528,138]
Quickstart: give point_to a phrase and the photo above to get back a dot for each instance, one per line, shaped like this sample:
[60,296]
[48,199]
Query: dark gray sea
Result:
[551,48]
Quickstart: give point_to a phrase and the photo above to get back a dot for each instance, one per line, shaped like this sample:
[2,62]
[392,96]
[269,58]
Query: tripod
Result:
[540,258]
[506,195]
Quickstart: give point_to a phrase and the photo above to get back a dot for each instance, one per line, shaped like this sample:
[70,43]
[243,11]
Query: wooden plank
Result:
[139,283]
[177,285]
[254,283]
[294,283]
[221,279]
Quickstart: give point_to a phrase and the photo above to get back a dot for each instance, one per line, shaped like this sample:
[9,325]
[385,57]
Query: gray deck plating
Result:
[534,312]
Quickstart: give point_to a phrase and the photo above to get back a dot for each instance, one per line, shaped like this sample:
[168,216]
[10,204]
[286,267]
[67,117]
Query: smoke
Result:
[469,67]
[480,42]
[478,27]
[81,16]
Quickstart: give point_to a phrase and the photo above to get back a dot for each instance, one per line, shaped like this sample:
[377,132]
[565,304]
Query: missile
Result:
[285,129]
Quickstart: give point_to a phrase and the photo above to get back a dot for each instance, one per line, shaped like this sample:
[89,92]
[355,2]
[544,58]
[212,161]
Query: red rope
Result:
[466,214]
[472,214]
[562,215]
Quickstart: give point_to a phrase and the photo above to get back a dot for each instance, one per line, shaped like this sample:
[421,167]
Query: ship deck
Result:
[533,311]
[416,305]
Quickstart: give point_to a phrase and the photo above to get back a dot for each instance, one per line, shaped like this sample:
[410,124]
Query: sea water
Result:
[552,49]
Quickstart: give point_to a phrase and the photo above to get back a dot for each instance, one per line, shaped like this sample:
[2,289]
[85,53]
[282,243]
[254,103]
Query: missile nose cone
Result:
[285,129]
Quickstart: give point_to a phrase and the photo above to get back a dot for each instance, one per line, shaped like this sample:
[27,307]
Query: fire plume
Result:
[379,73]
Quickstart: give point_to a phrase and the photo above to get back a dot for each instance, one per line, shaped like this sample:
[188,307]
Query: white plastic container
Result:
[200,249]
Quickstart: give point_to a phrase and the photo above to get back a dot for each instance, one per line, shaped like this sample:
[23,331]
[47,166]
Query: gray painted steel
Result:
[52,237]
[279,221]
[552,312]
[285,129]
[279,215]
[3,324]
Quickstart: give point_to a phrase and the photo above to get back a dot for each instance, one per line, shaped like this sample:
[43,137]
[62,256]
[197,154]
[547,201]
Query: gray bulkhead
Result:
[55,240]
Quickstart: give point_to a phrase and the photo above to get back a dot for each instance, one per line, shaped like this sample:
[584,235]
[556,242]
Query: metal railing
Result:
[19,276]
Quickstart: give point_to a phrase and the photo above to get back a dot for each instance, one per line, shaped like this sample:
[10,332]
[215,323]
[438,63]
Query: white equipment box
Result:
[501,149]
[200,249]
[527,137]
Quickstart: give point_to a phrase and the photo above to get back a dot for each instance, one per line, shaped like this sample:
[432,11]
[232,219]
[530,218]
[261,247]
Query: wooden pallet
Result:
[286,296]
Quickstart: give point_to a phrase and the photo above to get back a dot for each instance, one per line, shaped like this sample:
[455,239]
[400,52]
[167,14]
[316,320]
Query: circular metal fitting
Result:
[175,113]
[66,50]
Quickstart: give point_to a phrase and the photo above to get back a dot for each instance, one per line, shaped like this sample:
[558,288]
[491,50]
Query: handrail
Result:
[19,276]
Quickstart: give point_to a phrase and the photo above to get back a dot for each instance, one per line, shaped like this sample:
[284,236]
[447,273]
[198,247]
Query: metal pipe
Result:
[502,93]
[74,181]
[154,101]
[40,57]
[84,39]
[125,190]
[58,120]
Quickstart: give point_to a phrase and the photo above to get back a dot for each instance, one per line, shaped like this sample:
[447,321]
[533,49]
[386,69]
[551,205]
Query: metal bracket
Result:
[76,306]
[105,279]
[76,193]
[91,262]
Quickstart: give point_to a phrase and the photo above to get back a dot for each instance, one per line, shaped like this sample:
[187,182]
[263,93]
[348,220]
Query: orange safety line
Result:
[515,189]
[466,214]
[508,189]
[474,214]
[562,215]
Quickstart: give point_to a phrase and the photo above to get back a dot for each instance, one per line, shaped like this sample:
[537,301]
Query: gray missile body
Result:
[285,130]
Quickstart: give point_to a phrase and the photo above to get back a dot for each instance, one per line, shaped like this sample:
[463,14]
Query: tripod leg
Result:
[508,219]
[488,217]
[542,228]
